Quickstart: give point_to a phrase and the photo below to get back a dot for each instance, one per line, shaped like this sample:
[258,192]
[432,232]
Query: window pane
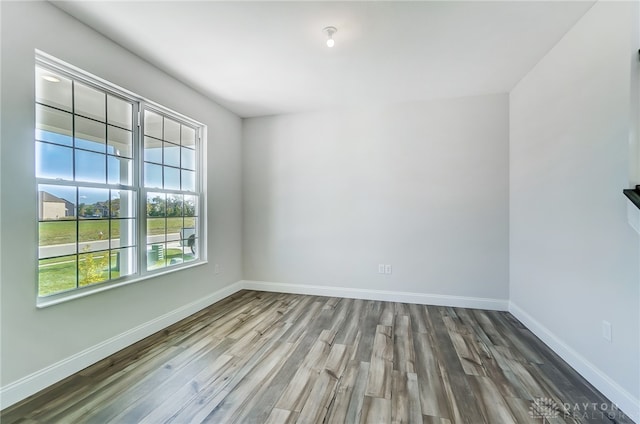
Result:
[56,202]
[188,180]
[119,112]
[114,234]
[56,275]
[123,233]
[174,205]
[174,228]
[156,223]
[93,202]
[93,234]
[89,102]
[90,167]
[119,170]
[156,256]
[56,238]
[173,240]
[156,204]
[152,150]
[188,230]
[171,178]
[93,267]
[171,131]
[120,142]
[123,262]
[171,154]
[188,136]
[189,240]
[53,126]
[55,162]
[90,135]
[189,223]
[156,230]
[152,175]
[173,254]
[123,204]
[152,124]
[190,205]
[188,158]
[190,249]
[53,89]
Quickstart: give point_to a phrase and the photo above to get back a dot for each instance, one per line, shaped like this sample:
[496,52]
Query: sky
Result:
[54,160]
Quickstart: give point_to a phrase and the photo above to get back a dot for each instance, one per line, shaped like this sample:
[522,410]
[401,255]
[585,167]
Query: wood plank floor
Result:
[260,357]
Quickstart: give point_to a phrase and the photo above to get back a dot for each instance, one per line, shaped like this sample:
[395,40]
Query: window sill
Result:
[45,302]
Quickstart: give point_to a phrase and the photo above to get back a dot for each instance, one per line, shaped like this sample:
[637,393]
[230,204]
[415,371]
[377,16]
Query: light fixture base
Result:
[330,30]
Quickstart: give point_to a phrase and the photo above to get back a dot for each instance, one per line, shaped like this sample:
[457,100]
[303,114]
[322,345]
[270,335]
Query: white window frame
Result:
[140,104]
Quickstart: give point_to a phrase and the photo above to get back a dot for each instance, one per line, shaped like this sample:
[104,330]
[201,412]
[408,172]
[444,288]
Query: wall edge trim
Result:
[386,295]
[601,381]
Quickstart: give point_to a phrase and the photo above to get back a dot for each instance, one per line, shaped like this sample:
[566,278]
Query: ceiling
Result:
[265,58]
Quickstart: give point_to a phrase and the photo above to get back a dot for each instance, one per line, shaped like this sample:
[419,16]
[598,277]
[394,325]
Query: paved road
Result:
[70,248]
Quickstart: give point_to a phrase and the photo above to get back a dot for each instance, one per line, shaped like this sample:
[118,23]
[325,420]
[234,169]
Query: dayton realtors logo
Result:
[547,408]
[544,408]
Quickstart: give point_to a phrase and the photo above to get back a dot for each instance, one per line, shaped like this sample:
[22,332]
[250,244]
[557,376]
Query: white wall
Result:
[574,259]
[33,339]
[421,186]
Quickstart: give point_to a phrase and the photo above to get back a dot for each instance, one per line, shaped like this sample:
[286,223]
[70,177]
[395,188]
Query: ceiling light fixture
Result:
[50,78]
[330,31]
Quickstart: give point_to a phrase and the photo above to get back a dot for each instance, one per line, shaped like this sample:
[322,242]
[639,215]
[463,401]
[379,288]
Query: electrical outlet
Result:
[216,269]
[380,268]
[387,269]
[606,330]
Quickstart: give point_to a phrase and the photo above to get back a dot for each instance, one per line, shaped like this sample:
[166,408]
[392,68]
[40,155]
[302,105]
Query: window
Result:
[118,182]
[170,178]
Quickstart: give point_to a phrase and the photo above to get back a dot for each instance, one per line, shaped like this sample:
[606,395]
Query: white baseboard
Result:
[391,296]
[612,390]
[33,383]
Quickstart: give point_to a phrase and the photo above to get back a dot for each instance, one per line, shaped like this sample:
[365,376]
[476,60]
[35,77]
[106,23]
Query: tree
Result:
[156,207]
[189,207]
[93,269]
[86,210]
[174,205]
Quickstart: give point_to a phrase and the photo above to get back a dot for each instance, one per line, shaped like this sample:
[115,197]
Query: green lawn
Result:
[59,274]
[62,232]
[56,275]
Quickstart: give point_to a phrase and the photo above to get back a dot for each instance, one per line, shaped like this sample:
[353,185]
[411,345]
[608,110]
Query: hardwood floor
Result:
[277,358]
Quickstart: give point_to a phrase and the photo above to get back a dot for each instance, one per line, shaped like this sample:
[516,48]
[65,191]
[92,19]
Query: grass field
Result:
[68,272]
[59,274]
[62,232]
